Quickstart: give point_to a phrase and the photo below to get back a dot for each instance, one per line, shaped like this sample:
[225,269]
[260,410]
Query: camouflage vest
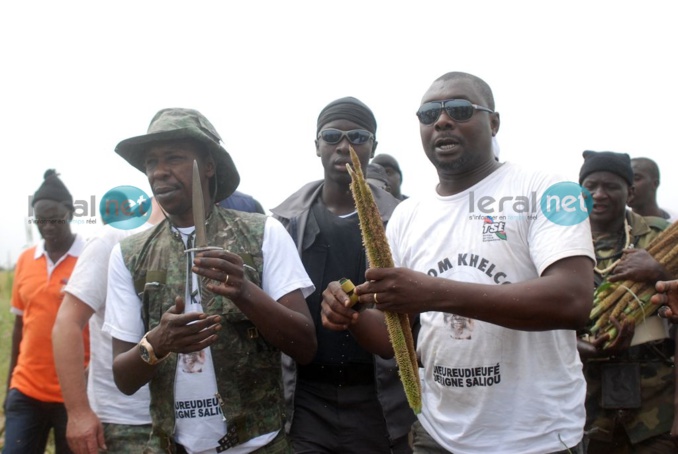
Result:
[247,368]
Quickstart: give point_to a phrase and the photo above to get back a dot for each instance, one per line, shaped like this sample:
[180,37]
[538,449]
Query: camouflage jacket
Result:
[657,379]
[247,368]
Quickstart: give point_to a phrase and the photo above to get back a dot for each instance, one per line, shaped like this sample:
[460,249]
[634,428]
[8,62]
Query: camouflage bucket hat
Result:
[179,124]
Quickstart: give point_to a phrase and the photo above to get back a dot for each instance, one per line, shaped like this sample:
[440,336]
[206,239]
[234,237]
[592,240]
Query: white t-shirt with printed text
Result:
[487,388]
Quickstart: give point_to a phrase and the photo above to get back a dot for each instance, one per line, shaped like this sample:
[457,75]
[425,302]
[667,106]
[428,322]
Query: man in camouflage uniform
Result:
[640,360]
[205,326]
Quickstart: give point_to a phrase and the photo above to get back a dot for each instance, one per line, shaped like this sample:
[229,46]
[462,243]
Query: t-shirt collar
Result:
[75,250]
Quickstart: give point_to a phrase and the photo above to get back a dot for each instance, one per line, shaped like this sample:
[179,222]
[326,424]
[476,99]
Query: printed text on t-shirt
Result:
[200,408]
[467,377]
[470,260]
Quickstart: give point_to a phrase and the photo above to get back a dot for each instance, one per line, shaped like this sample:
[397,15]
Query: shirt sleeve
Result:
[123,306]
[90,276]
[283,270]
[550,242]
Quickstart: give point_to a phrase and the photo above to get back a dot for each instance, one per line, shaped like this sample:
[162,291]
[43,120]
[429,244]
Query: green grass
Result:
[6,327]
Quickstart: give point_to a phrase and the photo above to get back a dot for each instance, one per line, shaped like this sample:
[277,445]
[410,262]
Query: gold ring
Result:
[226,281]
[375,299]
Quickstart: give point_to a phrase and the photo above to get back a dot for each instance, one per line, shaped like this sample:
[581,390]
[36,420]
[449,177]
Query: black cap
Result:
[350,109]
[52,188]
[606,161]
[386,160]
[376,172]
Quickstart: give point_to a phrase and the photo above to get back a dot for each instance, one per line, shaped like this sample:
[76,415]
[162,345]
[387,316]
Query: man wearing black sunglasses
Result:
[513,381]
[347,399]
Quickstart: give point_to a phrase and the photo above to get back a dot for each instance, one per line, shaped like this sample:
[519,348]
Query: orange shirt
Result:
[37,295]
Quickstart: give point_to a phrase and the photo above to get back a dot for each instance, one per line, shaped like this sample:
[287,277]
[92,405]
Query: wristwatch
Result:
[147,353]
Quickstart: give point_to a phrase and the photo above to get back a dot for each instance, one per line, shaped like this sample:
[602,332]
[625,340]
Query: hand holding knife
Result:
[209,264]
[199,214]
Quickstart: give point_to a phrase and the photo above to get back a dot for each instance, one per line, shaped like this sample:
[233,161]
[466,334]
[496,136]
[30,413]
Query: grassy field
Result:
[6,326]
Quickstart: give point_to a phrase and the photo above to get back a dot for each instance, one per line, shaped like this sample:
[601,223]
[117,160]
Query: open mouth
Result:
[446,144]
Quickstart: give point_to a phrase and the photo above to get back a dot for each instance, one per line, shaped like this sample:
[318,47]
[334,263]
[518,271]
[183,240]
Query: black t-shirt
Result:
[337,252]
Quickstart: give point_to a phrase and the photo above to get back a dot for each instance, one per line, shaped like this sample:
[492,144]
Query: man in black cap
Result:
[34,403]
[232,306]
[377,176]
[395,175]
[620,237]
[346,399]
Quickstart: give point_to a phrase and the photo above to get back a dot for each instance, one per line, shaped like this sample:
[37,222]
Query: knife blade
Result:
[198,208]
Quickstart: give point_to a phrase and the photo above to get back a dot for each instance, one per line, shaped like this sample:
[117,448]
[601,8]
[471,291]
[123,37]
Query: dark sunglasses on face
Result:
[354,136]
[457,109]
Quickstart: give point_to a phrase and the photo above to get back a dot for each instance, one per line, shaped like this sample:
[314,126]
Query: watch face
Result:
[144,353]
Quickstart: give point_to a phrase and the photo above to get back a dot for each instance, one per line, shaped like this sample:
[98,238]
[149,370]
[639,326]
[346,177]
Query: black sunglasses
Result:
[457,109]
[354,136]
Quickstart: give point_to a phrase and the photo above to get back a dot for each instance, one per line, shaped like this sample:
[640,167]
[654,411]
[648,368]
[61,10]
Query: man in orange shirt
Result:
[34,404]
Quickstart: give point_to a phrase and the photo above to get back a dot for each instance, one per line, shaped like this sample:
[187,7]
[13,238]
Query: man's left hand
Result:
[639,266]
[225,269]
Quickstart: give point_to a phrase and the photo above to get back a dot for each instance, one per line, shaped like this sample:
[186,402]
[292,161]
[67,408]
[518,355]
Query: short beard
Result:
[452,166]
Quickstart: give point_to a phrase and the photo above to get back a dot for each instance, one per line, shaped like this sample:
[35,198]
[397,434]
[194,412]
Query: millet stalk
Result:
[379,255]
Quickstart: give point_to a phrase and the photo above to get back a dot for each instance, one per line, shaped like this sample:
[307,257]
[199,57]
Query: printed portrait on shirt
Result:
[191,363]
[461,327]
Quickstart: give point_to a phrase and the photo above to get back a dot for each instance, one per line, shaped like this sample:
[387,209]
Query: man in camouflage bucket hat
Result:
[205,327]
[630,383]
[180,124]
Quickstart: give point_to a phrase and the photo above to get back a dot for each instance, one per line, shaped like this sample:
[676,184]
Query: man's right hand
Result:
[84,432]
[181,332]
[367,326]
[335,311]
[177,332]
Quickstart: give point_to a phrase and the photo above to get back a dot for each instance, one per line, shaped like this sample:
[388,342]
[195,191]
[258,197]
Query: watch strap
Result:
[152,358]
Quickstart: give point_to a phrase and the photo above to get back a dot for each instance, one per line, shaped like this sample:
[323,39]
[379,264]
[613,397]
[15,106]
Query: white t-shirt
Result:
[88,283]
[199,422]
[487,388]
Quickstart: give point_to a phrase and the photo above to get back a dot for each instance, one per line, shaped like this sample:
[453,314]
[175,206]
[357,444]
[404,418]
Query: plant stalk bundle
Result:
[631,299]
[379,256]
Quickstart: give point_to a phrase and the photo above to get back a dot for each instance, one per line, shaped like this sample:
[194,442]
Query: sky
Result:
[77,77]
